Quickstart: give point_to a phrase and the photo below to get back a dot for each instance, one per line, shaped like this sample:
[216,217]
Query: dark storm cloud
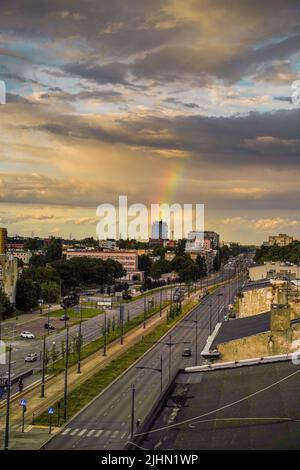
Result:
[286,99]
[113,73]
[258,139]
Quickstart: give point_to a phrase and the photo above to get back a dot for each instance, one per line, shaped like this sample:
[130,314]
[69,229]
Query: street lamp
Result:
[170,344]
[156,369]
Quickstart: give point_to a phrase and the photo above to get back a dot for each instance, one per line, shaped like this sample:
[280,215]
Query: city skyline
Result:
[96,106]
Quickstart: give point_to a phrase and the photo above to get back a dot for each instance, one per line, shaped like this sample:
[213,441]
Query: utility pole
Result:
[66,378]
[160,303]
[210,318]
[132,410]
[6,437]
[104,336]
[145,311]
[156,369]
[43,368]
[196,345]
[122,321]
[79,344]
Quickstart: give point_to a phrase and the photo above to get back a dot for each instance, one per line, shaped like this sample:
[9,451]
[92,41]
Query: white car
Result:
[27,335]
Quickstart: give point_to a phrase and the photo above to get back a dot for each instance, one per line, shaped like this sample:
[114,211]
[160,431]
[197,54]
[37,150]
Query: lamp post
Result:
[156,369]
[43,368]
[122,322]
[66,378]
[170,343]
[104,336]
[6,436]
[132,410]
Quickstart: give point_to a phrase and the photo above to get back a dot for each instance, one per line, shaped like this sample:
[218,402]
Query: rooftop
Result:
[252,407]
[242,327]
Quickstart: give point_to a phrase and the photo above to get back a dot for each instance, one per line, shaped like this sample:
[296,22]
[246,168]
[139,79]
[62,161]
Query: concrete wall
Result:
[255,301]
[280,340]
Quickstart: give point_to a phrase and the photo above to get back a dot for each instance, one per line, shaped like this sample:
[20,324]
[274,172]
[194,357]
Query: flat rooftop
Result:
[242,327]
[262,410]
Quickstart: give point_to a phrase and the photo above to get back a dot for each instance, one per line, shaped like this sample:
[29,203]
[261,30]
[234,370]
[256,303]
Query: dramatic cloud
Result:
[165,101]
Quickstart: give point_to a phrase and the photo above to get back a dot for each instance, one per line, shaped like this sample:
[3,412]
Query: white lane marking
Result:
[66,431]
[107,433]
[98,433]
[90,433]
[123,435]
[81,433]
[115,434]
[74,432]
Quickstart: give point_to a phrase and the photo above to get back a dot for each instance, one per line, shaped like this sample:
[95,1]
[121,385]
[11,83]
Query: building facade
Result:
[159,230]
[127,258]
[3,240]
[274,270]
[281,240]
[9,276]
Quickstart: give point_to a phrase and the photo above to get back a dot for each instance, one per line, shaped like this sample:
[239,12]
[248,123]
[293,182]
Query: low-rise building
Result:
[23,255]
[3,240]
[274,270]
[281,240]
[127,258]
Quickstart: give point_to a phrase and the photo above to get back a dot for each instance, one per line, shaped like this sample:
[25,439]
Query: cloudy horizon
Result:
[163,101]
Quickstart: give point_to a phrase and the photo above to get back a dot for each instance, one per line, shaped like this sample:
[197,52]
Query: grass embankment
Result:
[84,393]
[113,333]
[86,313]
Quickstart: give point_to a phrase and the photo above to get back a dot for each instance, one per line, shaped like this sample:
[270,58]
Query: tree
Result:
[37,260]
[28,293]
[189,270]
[32,244]
[156,270]
[180,248]
[50,291]
[201,263]
[54,250]
[144,263]
[6,308]
[217,262]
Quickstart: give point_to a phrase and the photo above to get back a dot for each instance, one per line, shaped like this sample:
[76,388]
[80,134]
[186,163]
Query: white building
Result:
[159,230]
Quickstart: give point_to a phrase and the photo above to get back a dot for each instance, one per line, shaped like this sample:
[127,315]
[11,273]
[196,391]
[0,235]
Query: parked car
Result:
[27,335]
[49,326]
[31,357]
[186,352]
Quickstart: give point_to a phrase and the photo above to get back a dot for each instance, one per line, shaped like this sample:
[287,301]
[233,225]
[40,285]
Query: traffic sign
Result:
[50,411]
[23,402]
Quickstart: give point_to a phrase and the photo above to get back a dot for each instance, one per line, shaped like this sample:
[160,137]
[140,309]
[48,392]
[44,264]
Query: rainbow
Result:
[169,183]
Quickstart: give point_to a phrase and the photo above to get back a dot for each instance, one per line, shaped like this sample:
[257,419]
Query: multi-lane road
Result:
[106,422]
[91,330]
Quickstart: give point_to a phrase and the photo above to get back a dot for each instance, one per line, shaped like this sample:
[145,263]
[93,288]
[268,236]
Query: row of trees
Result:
[183,264]
[60,276]
[289,253]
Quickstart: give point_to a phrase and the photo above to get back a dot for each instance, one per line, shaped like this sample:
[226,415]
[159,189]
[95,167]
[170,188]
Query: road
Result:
[91,330]
[105,422]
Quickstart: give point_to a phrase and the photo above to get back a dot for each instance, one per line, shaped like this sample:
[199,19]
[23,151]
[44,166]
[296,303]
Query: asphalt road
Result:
[91,330]
[105,422]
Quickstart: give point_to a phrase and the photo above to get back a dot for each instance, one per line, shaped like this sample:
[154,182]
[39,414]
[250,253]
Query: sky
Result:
[163,101]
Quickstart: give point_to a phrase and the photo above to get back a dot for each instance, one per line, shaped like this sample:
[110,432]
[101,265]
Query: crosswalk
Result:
[96,433]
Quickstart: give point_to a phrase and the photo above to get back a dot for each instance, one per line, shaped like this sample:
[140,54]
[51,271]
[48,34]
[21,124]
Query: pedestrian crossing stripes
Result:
[96,433]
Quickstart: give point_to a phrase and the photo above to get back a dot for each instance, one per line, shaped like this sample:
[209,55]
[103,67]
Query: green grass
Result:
[96,345]
[86,313]
[84,393]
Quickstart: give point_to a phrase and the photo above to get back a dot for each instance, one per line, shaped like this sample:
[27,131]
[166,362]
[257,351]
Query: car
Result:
[27,335]
[31,357]
[49,326]
[186,352]
[65,318]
